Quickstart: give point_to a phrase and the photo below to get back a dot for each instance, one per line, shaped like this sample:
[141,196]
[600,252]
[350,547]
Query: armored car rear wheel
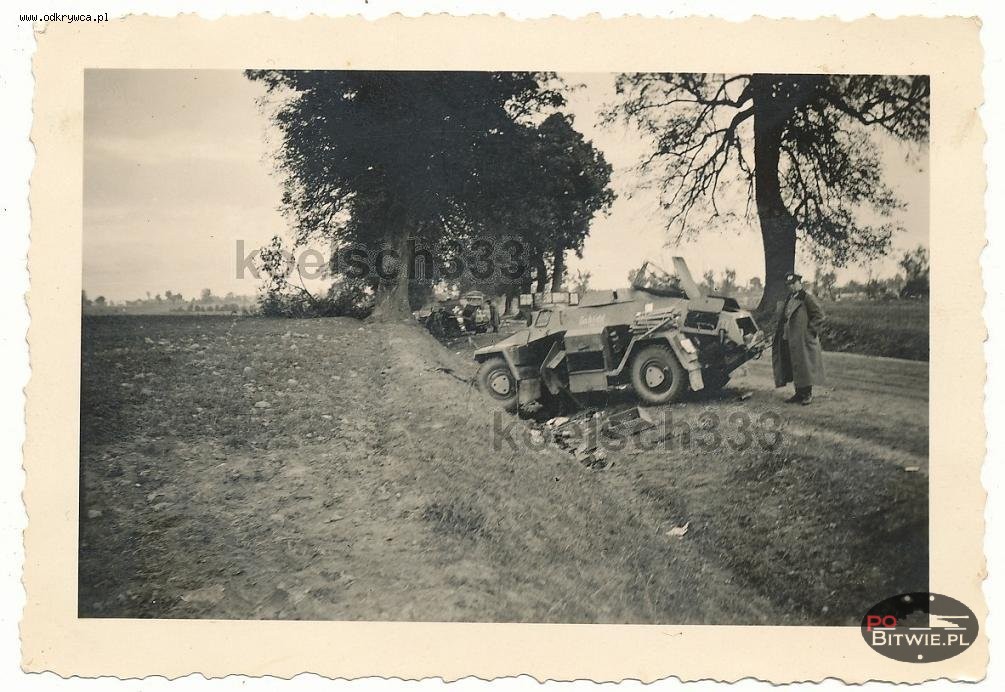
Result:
[657,376]
[497,381]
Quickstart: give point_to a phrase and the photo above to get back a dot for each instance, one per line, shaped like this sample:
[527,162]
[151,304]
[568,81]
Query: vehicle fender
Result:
[528,383]
[520,372]
[551,361]
[688,360]
[507,355]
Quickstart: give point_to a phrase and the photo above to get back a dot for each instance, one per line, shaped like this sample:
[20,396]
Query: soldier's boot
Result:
[800,396]
[807,396]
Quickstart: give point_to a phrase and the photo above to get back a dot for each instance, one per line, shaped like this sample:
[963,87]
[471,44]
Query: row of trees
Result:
[377,158]
[442,159]
[171,301]
[912,281]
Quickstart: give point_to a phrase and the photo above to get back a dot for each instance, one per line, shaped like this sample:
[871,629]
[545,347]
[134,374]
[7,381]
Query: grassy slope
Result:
[395,507]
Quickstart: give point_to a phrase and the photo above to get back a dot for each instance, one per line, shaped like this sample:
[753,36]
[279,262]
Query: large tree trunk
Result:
[513,299]
[778,227]
[392,293]
[558,272]
[542,273]
[526,283]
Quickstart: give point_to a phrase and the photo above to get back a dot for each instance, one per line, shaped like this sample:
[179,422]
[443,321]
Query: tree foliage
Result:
[581,282]
[824,283]
[546,188]
[799,147]
[708,281]
[916,266]
[378,159]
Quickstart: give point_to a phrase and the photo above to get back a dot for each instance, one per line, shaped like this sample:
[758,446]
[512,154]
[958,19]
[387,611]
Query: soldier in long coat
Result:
[796,355]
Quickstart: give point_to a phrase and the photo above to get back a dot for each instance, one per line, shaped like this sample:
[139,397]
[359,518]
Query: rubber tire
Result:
[488,368]
[665,357]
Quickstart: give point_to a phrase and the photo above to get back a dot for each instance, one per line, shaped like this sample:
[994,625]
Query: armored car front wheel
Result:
[657,376]
[497,381]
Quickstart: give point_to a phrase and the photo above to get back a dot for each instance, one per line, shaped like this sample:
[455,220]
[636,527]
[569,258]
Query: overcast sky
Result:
[177,175]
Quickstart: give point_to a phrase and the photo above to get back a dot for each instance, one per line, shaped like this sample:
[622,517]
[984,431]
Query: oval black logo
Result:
[919,627]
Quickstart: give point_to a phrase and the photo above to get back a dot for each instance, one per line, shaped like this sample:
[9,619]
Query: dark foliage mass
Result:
[545,186]
[340,301]
[807,158]
[379,159]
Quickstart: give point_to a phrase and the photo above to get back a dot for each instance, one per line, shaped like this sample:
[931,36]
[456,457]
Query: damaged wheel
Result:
[496,379]
[657,377]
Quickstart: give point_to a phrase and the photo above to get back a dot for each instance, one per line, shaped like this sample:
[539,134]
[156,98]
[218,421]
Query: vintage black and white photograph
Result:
[503,347]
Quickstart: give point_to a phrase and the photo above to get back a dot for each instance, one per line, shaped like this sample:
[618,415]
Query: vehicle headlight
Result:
[687,345]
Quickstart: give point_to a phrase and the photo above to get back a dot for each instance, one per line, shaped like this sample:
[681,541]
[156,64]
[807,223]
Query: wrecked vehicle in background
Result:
[662,336]
[441,318]
[475,313]
[451,318]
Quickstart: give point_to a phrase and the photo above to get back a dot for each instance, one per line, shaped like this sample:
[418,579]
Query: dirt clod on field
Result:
[375,483]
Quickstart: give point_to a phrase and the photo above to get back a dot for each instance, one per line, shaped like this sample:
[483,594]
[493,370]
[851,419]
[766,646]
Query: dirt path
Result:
[832,519]
[351,474]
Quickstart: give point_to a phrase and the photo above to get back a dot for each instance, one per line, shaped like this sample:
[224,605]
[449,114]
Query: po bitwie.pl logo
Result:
[920,627]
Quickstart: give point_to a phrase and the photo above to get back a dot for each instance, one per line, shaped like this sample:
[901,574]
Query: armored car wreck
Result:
[662,336]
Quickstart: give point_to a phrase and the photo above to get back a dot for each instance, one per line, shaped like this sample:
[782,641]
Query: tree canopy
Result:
[801,146]
[546,188]
[379,159]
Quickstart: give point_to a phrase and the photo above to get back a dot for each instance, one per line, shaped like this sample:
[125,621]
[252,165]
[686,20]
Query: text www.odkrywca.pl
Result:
[63,17]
